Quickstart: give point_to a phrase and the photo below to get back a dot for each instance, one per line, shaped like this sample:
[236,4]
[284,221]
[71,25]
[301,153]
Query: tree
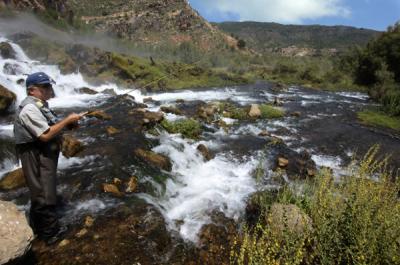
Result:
[241,44]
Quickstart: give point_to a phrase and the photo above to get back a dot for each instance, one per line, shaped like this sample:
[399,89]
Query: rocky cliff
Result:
[155,22]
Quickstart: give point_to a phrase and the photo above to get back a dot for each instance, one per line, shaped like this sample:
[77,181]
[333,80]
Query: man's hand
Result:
[73,118]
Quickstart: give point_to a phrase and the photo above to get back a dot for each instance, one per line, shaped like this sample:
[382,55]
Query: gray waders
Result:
[39,163]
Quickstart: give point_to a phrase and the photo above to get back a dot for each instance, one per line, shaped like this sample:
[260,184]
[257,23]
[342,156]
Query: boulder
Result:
[297,164]
[117,181]
[113,189]
[277,102]
[89,221]
[264,133]
[131,186]
[170,109]
[81,233]
[154,159]
[71,146]
[204,152]
[64,243]
[255,111]
[15,234]
[112,130]
[148,99]
[13,180]
[7,98]
[295,114]
[7,51]
[99,114]
[109,91]
[288,217]
[12,69]
[208,111]
[282,162]
[148,118]
[86,90]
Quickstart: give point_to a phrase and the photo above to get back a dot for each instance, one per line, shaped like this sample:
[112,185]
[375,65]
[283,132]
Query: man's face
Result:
[43,92]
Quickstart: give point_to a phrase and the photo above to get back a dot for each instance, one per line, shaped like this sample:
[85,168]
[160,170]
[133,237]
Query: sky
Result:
[372,14]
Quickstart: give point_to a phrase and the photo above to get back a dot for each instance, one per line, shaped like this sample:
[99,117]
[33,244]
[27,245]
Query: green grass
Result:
[353,221]
[270,112]
[189,128]
[380,119]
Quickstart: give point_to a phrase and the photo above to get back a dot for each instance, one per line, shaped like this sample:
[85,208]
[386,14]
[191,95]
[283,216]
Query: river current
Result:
[327,128]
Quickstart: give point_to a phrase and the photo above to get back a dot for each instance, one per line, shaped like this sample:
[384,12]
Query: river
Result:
[325,126]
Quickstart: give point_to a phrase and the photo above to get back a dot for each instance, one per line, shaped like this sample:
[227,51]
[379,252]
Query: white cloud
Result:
[284,11]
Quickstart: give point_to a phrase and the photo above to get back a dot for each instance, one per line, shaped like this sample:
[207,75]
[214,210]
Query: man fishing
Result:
[37,134]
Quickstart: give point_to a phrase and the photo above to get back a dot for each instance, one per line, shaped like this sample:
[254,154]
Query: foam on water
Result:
[6,131]
[6,166]
[66,85]
[209,95]
[92,206]
[199,187]
[64,163]
[356,95]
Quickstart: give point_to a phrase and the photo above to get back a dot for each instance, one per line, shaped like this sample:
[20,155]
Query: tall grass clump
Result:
[355,220]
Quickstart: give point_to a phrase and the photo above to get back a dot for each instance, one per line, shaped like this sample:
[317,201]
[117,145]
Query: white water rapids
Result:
[196,187]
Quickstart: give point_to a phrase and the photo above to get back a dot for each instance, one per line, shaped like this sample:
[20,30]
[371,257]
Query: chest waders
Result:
[39,164]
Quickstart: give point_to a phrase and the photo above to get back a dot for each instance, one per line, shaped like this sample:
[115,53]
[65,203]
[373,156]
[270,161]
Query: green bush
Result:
[270,112]
[380,119]
[354,221]
[189,128]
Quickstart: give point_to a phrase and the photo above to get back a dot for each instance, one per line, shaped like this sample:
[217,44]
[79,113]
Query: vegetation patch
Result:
[380,119]
[270,112]
[189,128]
[354,221]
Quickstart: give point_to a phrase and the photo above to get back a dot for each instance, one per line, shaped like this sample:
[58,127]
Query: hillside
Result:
[154,22]
[268,36]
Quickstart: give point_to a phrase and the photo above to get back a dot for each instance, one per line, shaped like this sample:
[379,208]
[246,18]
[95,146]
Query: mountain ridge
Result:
[266,36]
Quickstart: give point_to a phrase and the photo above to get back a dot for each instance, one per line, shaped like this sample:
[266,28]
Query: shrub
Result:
[354,221]
[189,128]
[380,119]
[270,112]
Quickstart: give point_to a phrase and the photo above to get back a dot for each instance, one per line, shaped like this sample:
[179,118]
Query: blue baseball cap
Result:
[39,78]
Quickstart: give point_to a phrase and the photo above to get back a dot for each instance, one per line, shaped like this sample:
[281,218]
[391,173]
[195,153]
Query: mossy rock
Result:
[270,112]
[13,180]
[189,128]
[154,159]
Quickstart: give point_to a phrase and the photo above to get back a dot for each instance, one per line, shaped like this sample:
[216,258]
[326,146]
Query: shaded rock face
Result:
[128,234]
[154,159]
[216,239]
[7,98]
[13,180]
[15,234]
[6,51]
